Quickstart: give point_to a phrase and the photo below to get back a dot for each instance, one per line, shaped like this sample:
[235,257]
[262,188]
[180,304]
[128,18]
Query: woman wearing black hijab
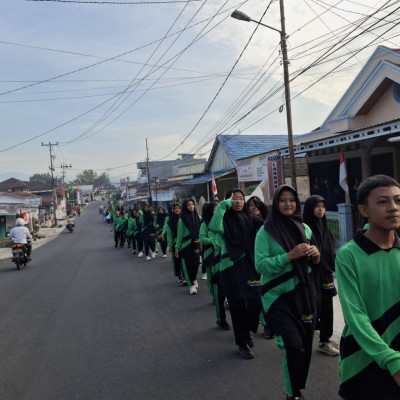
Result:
[148,232]
[259,209]
[170,232]
[187,246]
[284,254]
[314,215]
[159,221]
[239,281]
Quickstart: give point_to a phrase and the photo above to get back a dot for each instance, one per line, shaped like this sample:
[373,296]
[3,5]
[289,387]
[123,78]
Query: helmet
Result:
[20,222]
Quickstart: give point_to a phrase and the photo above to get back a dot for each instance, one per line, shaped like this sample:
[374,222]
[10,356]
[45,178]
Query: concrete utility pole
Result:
[148,175]
[285,61]
[64,167]
[244,17]
[54,193]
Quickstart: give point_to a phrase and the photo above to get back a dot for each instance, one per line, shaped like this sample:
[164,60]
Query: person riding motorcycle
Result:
[71,220]
[21,235]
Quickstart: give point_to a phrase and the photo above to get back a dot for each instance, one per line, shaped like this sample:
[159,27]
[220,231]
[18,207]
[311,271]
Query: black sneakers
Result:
[224,325]
[245,352]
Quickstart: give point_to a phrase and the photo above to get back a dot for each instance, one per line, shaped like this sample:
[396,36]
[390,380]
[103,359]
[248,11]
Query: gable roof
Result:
[22,195]
[369,84]
[242,146]
[5,185]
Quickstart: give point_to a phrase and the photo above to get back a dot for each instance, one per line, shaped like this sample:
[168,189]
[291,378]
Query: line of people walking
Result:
[276,267]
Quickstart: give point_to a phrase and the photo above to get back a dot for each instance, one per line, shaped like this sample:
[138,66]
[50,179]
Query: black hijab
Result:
[148,218]
[161,217]
[191,219]
[208,212]
[173,219]
[239,231]
[322,234]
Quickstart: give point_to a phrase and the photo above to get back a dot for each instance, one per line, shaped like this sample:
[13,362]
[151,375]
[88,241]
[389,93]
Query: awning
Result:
[208,177]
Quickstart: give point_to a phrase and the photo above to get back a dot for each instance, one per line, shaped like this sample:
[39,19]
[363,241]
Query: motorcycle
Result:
[70,227]
[19,256]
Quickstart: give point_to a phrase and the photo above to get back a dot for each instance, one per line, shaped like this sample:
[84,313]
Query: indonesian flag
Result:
[213,185]
[343,181]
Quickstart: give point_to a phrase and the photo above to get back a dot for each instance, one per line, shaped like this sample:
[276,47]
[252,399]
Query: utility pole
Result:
[148,175]
[54,193]
[243,17]
[285,61]
[64,167]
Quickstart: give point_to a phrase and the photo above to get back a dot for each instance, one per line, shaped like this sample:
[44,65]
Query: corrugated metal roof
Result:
[207,177]
[242,146]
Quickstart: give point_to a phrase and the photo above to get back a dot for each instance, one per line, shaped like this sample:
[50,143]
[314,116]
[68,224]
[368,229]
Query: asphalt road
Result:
[89,321]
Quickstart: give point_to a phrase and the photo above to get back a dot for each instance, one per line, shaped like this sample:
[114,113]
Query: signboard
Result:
[162,195]
[275,176]
[253,168]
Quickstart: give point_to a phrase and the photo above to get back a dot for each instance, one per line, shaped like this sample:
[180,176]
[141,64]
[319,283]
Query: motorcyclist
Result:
[71,220]
[21,235]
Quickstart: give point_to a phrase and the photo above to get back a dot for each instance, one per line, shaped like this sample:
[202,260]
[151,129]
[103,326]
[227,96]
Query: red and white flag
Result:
[343,180]
[213,185]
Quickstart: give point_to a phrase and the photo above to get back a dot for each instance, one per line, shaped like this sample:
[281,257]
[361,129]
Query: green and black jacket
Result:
[278,278]
[369,290]
[183,240]
[238,278]
[171,238]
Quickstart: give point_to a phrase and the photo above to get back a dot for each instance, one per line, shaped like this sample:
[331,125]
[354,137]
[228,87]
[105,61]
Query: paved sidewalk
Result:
[48,233]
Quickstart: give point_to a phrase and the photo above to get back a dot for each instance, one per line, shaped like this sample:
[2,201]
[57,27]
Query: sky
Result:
[97,79]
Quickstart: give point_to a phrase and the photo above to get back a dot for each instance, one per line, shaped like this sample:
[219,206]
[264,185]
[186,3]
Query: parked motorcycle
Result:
[19,256]
[70,227]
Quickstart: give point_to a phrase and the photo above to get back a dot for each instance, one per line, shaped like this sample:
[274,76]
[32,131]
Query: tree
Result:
[45,178]
[102,179]
[90,177]
[86,177]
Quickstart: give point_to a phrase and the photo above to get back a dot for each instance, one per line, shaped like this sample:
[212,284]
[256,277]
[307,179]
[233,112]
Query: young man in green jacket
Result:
[368,276]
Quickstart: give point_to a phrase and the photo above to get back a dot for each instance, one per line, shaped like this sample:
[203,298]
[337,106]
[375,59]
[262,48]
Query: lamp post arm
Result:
[267,26]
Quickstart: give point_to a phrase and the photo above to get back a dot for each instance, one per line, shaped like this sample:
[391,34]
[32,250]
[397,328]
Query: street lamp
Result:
[243,17]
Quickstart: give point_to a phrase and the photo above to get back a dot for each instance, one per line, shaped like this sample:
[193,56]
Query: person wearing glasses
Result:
[236,230]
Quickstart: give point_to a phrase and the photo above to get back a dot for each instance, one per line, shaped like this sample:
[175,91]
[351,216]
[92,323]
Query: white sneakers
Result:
[196,284]
[148,258]
[140,255]
[328,348]
[192,290]
[203,276]
[164,256]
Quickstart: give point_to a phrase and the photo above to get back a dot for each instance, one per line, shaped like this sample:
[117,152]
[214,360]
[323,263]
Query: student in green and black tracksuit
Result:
[368,278]
[207,240]
[187,246]
[159,223]
[170,232]
[148,232]
[284,254]
[122,228]
[116,220]
[259,209]
[239,281]
[130,231]
[314,215]
[137,233]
